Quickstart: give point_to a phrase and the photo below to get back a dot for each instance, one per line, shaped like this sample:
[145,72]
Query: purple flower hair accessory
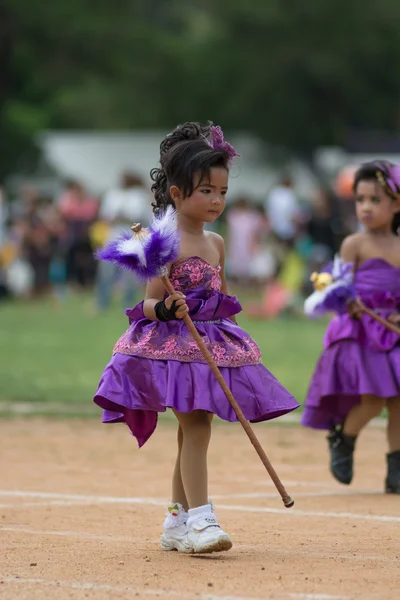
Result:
[217,142]
[147,252]
[389,176]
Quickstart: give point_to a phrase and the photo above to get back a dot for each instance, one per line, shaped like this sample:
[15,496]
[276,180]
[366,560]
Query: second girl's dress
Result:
[360,356]
[157,365]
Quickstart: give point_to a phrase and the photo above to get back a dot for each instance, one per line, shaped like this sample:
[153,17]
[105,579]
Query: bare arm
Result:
[224,286]
[349,251]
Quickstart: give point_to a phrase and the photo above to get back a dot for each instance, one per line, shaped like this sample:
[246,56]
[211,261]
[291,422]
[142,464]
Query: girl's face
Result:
[208,200]
[374,208]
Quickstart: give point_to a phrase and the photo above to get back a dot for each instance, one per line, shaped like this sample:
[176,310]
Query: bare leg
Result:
[178,491]
[393,428]
[196,434]
[360,415]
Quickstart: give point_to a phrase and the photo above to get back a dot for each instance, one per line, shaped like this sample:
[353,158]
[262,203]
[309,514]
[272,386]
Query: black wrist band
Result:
[162,312]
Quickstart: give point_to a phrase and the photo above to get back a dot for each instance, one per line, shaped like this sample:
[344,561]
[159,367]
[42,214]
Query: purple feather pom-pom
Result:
[148,251]
[335,297]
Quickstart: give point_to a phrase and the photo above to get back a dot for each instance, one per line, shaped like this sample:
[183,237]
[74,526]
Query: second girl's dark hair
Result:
[378,171]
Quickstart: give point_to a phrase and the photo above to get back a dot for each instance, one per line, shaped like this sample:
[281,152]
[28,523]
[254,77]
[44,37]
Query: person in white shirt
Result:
[120,208]
[282,208]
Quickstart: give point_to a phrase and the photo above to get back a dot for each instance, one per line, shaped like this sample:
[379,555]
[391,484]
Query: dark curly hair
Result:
[183,153]
[378,171]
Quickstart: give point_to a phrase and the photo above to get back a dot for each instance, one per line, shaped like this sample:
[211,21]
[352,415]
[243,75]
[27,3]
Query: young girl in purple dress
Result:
[358,373]
[156,364]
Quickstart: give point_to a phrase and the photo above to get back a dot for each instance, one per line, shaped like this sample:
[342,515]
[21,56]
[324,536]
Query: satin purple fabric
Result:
[360,356]
[135,388]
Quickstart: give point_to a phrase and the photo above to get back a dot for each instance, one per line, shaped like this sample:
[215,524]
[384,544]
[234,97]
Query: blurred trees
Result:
[299,73]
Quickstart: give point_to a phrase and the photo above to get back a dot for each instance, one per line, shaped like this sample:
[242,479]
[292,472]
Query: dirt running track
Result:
[81,511]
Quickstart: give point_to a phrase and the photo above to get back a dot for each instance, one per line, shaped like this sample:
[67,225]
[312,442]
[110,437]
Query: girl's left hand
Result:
[394,318]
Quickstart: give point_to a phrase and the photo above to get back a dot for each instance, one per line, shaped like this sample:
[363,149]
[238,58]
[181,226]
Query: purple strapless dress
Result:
[359,357]
[157,365]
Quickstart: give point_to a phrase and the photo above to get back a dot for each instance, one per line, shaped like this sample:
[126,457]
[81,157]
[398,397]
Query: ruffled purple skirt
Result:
[360,357]
[156,366]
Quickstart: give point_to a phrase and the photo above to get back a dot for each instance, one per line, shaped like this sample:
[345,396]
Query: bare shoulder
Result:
[216,239]
[351,247]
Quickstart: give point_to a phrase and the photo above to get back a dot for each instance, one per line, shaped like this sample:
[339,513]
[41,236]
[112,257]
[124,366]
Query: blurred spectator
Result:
[79,211]
[3,218]
[59,236]
[320,227]
[129,203]
[282,209]
[36,239]
[244,223]
[263,263]
[3,240]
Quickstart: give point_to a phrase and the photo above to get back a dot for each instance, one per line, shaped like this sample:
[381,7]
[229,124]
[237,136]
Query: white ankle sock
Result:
[202,512]
[176,516]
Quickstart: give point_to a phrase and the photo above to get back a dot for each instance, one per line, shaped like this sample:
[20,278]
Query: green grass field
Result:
[51,357]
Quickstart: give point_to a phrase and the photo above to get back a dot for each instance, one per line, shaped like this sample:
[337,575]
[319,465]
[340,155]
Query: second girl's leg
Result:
[392,484]
[342,440]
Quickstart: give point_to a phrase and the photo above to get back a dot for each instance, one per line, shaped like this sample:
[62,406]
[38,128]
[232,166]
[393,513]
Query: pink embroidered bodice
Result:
[190,273]
[210,310]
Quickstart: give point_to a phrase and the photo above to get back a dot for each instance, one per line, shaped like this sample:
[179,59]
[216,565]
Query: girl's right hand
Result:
[354,308]
[180,302]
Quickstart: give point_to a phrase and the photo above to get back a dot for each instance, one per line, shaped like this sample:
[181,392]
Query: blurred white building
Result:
[97,159]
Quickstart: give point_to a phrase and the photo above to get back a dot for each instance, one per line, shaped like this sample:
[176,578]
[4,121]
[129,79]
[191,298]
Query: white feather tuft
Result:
[133,246]
[342,270]
[167,224]
[317,298]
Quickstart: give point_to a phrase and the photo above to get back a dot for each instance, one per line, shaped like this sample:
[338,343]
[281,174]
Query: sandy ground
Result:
[81,511]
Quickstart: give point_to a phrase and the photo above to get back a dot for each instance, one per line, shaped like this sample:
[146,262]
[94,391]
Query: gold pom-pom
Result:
[321,280]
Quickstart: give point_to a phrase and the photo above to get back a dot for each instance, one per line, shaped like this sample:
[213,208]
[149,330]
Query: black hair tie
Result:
[163,313]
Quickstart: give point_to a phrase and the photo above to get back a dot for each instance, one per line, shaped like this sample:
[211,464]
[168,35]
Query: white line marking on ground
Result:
[318,484]
[77,534]
[46,503]
[160,593]
[239,508]
[300,494]
[253,496]
[316,597]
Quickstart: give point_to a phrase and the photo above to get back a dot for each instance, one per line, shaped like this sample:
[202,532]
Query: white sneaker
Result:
[174,536]
[204,534]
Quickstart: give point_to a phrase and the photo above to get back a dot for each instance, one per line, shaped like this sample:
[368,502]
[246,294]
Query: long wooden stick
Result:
[287,500]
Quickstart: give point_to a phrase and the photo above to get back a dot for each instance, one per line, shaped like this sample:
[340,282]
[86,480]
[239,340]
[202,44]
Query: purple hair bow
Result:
[391,175]
[217,142]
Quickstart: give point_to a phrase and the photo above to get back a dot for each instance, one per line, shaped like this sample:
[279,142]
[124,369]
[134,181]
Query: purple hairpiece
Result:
[391,176]
[217,142]
[147,251]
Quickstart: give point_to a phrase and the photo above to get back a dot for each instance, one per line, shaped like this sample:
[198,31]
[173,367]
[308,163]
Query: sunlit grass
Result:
[54,355]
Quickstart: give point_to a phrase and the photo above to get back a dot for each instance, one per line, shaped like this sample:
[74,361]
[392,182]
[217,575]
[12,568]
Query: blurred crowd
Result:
[274,246]
[47,244]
